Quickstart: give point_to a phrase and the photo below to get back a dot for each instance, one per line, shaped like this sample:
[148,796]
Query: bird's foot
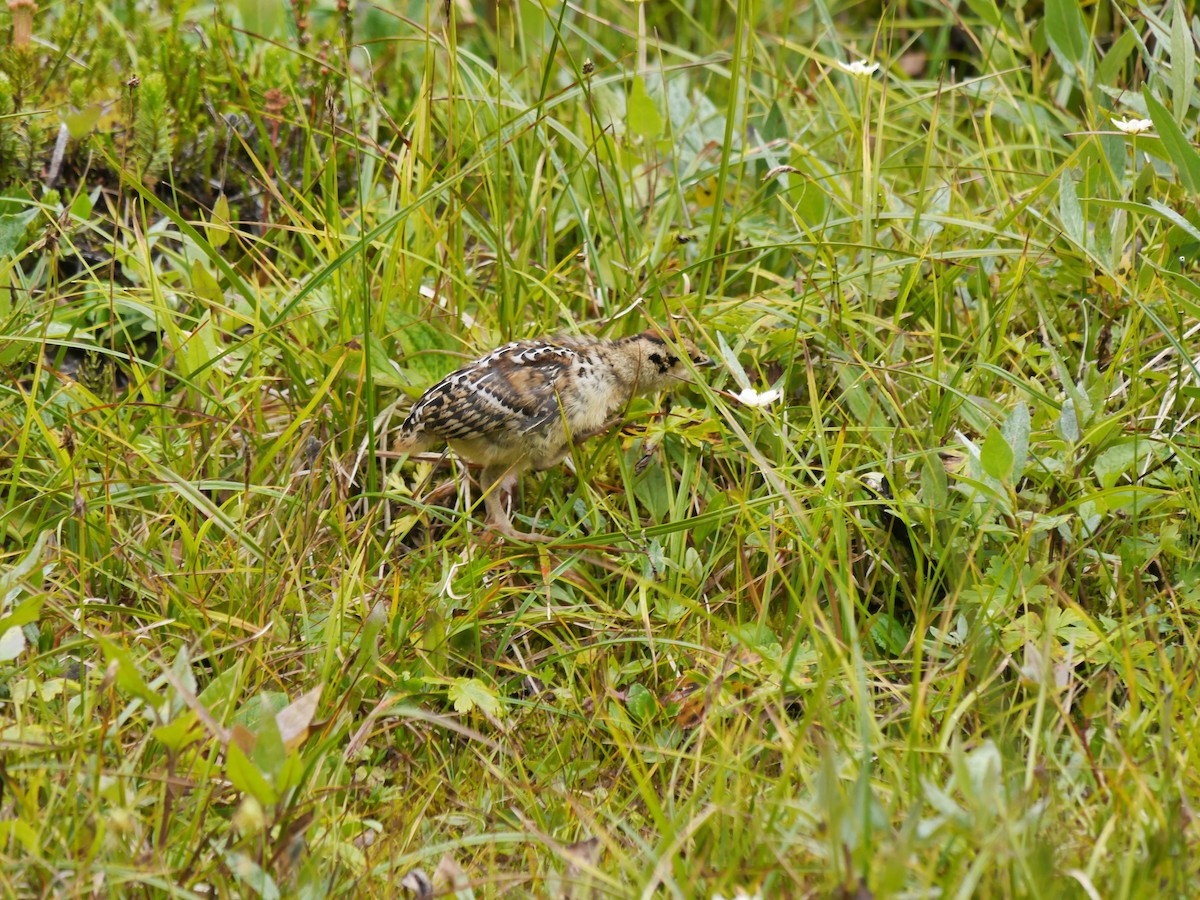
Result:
[505,530]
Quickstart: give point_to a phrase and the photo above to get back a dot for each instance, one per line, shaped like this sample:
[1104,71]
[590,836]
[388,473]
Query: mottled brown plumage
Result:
[526,404]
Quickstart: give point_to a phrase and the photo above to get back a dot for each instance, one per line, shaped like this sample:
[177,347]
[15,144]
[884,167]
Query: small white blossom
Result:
[859,67]
[1132,126]
[751,397]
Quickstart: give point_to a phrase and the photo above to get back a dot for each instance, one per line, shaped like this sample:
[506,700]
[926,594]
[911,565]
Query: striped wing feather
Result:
[509,391]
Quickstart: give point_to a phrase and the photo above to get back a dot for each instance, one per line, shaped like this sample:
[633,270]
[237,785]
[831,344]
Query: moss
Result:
[153,127]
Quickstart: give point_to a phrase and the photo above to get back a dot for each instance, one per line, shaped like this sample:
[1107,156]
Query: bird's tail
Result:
[412,440]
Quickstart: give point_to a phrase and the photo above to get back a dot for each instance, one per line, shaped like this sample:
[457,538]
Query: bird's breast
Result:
[595,397]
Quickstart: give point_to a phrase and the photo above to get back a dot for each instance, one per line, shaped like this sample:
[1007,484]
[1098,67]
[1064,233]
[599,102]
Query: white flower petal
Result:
[751,397]
[1132,126]
[859,67]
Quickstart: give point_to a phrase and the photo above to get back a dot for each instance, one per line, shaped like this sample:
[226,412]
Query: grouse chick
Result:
[524,405]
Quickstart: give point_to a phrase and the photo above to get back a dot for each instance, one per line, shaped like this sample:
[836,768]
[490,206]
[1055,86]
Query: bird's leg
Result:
[497,481]
[577,439]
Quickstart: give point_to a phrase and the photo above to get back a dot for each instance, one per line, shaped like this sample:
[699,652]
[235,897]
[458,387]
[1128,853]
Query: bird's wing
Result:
[510,391]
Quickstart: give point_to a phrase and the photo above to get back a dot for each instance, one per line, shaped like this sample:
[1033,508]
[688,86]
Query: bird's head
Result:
[661,363]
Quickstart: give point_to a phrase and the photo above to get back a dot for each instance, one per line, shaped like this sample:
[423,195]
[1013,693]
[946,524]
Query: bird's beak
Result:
[705,363]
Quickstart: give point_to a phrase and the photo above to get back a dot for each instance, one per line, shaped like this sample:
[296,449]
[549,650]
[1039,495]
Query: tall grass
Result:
[923,626]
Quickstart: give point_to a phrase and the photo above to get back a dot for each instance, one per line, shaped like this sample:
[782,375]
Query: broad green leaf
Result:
[261,18]
[889,634]
[21,831]
[12,230]
[26,611]
[1183,63]
[537,28]
[934,484]
[731,362]
[219,696]
[204,284]
[251,876]
[81,206]
[996,456]
[269,753]
[1068,423]
[12,644]
[1111,464]
[1066,32]
[128,678]
[218,231]
[1179,149]
[468,693]
[179,733]
[1114,58]
[198,350]
[80,123]
[641,703]
[1016,429]
[775,127]
[1175,218]
[16,573]
[987,12]
[246,777]
[1070,212]
[984,769]
[644,118]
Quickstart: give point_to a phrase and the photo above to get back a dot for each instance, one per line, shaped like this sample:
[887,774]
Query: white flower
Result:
[751,397]
[1132,126]
[859,67]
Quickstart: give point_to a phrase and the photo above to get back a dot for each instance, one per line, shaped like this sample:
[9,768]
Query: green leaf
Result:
[27,611]
[641,703]
[889,634]
[1114,58]
[261,18]
[987,12]
[80,123]
[81,207]
[1179,149]
[1066,32]
[128,678]
[204,284]
[12,231]
[246,777]
[1183,63]
[178,734]
[12,643]
[644,118]
[269,753]
[1070,212]
[10,577]
[996,456]
[19,830]
[1116,460]
[218,231]
[731,362]
[1068,423]
[468,693]
[775,127]
[251,875]
[199,349]
[1016,429]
